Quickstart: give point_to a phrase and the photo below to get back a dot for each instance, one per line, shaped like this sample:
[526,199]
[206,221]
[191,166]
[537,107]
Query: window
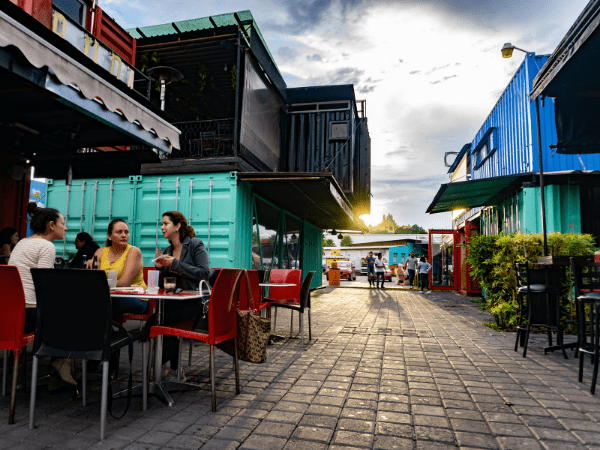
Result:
[395,258]
[486,147]
[74,9]
[403,258]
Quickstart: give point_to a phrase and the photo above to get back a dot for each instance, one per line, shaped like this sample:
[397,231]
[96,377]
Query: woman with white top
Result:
[38,251]
[379,270]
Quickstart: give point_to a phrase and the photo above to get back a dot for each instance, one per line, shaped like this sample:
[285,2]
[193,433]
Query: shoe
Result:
[382,287]
[63,370]
[428,292]
[171,375]
[54,384]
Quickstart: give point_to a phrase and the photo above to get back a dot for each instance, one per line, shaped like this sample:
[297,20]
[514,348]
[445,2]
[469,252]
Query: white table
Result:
[159,387]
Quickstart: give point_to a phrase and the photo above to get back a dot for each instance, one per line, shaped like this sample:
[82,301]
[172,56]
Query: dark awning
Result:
[573,67]
[56,99]
[470,194]
[314,197]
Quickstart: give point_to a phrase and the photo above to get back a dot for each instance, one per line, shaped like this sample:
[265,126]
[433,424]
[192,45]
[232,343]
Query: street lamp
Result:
[507,51]
[508,48]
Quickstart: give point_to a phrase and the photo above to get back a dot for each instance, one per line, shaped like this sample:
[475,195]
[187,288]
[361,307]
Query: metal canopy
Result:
[57,100]
[474,193]
[314,197]
[574,65]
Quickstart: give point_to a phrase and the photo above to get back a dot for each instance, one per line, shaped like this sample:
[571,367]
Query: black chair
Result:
[212,276]
[587,280]
[75,321]
[300,307]
[542,306]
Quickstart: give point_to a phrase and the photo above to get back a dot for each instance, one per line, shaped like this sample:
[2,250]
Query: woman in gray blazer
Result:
[186,260]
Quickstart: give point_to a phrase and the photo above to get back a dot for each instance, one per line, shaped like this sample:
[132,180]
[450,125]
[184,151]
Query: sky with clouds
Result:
[430,71]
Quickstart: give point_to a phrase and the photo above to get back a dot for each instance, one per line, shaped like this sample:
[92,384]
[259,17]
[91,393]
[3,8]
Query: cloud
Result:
[314,57]
[366,89]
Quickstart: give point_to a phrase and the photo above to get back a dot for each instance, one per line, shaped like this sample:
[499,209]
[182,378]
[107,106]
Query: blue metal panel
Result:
[515,137]
[243,227]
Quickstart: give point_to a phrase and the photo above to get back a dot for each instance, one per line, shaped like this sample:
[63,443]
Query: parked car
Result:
[347,270]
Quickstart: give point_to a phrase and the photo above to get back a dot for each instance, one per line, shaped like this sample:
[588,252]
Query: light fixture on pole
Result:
[507,51]
[508,48]
[164,75]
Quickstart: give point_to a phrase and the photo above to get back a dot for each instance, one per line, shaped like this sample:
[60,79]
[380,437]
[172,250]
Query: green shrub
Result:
[493,258]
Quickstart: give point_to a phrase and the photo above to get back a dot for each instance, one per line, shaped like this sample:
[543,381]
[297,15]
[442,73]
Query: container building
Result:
[494,184]
[261,168]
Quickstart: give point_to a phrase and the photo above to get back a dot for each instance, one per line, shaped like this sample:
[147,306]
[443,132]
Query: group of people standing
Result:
[375,270]
[413,264]
[185,259]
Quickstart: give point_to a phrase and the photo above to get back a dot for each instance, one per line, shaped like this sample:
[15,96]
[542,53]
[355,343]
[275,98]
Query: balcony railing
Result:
[205,139]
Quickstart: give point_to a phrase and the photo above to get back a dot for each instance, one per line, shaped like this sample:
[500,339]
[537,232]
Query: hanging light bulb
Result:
[225,68]
[340,236]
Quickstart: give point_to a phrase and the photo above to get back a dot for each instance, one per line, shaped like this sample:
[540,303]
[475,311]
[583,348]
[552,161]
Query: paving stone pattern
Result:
[385,370]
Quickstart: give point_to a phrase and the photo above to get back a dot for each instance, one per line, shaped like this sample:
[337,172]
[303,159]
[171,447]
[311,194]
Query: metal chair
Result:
[222,325]
[298,306]
[151,304]
[587,285]
[542,306]
[254,278]
[75,321]
[12,321]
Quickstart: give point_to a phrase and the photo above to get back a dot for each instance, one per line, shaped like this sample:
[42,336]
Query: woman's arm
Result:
[199,269]
[133,264]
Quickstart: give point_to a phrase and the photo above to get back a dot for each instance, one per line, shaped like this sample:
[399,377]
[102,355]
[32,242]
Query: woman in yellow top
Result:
[126,259]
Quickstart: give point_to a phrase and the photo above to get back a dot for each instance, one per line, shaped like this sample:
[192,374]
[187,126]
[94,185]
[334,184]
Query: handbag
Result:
[201,324]
[253,333]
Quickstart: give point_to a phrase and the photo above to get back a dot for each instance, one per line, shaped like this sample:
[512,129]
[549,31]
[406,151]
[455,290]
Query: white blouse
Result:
[31,253]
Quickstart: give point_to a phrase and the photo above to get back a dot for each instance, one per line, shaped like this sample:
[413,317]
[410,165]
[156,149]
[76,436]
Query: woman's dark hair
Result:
[111,225]
[379,255]
[84,237]
[41,217]
[6,234]
[178,218]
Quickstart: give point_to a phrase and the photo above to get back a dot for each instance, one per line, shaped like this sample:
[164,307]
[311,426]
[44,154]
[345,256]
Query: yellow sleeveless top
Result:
[119,265]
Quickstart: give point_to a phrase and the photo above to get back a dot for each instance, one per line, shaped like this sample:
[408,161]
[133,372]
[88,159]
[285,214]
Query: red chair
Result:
[288,294]
[151,303]
[222,324]
[256,293]
[12,321]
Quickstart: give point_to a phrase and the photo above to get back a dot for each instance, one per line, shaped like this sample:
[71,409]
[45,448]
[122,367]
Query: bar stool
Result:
[585,284]
[542,306]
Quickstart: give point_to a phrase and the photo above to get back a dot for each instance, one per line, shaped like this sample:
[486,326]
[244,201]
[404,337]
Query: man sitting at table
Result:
[186,260]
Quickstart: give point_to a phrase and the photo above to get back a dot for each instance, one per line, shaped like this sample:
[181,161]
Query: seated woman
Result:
[85,246]
[38,251]
[8,239]
[126,259]
[186,260]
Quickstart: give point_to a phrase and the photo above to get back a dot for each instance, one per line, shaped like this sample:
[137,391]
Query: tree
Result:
[346,241]
[328,242]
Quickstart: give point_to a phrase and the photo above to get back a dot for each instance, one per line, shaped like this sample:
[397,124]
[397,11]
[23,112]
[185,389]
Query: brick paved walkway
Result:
[385,370]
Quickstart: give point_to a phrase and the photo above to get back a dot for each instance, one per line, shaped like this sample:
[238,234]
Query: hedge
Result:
[493,258]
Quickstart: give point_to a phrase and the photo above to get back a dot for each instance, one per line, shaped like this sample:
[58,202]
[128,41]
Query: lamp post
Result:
[507,51]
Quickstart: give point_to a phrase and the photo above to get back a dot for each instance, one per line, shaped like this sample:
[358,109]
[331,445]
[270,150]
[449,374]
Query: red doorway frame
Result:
[455,262]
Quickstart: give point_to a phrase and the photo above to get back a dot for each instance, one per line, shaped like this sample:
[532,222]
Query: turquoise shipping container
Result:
[217,205]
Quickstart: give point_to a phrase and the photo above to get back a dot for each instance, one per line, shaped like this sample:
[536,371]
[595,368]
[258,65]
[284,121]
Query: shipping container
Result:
[506,144]
[218,206]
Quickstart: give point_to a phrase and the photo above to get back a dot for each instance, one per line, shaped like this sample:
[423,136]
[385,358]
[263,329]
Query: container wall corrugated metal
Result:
[312,252]
[515,138]
[521,213]
[308,147]
[139,201]
[243,225]
[361,198]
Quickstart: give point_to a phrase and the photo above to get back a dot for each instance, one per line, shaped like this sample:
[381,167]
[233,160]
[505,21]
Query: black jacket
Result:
[192,266]
[88,249]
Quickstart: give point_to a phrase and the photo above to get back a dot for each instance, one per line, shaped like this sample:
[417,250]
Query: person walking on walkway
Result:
[411,266]
[379,270]
[424,267]
[371,269]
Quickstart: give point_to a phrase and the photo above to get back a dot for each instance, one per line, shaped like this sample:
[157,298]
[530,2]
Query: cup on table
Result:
[153,276]
[170,284]
[112,276]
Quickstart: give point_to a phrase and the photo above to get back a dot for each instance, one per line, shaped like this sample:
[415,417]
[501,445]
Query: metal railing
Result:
[205,139]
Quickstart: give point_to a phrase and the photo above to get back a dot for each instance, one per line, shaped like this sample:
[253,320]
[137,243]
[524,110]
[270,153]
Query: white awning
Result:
[68,71]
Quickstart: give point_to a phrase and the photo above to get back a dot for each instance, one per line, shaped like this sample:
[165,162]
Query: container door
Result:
[444,259]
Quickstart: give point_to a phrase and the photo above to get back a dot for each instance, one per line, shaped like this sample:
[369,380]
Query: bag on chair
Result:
[201,325]
[253,333]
